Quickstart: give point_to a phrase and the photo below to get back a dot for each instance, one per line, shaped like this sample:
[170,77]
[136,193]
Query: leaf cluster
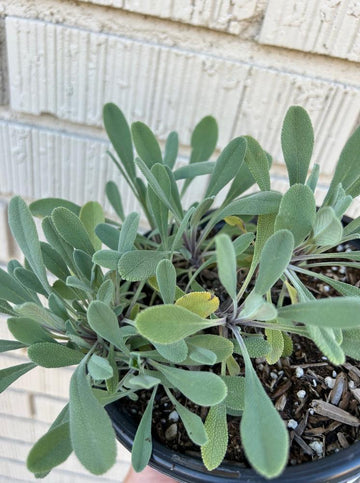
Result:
[135,311]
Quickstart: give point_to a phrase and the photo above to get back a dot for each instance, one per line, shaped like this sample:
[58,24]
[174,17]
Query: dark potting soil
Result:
[319,402]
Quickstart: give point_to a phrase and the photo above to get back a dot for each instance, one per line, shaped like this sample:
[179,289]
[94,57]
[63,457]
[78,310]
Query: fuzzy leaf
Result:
[216,344]
[106,292]
[11,374]
[99,368]
[262,430]
[274,259]
[176,352]
[142,381]
[48,354]
[41,315]
[276,341]
[203,388]
[114,197]
[166,324]
[348,167]
[28,331]
[92,214]
[192,170]
[58,243]
[327,229]
[128,232]
[204,140]
[297,140]
[72,230]
[214,450]
[256,346]
[84,264]
[104,322]
[24,231]
[313,178]
[11,290]
[342,312]
[119,134]
[107,258]
[201,355]
[166,279]
[45,206]
[200,303]
[257,162]
[171,149]
[29,280]
[140,264]
[10,345]
[326,341]
[50,450]
[352,227]
[297,212]
[142,446]
[92,435]
[227,165]
[262,203]
[288,345]
[351,343]
[108,234]
[236,392]
[54,262]
[226,262]
[192,422]
[146,144]
[256,307]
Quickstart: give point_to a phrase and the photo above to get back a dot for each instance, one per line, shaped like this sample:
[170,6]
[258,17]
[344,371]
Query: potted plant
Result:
[212,327]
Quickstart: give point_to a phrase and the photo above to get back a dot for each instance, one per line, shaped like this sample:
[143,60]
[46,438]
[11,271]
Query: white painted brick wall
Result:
[167,63]
[229,16]
[329,27]
[169,88]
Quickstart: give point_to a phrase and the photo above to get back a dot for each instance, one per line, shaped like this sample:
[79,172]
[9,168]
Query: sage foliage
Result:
[136,312]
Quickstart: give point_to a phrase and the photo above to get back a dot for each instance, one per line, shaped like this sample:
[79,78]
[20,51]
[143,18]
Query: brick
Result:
[4,91]
[170,88]
[42,162]
[18,450]
[15,470]
[54,382]
[226,16]
[323,27]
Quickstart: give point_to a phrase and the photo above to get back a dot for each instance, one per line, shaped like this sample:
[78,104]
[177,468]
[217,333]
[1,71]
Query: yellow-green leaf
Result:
[200,303]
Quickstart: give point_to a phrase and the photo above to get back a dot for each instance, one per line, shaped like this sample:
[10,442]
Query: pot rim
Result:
[338,467]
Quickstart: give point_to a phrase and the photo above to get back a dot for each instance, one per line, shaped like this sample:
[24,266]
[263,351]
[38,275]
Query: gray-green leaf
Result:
[214,450]
[203,388]
[142,446]
[92,435]
[103,321]
[48,354]
[24,231]
[99,368]
[297,140]
[274,259]
[11,374]
[166,279]
[342,312]
[140,264]
[297,212]
[166,324]
[226,261]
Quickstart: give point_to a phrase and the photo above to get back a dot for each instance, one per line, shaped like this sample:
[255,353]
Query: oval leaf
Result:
[166,324]
[200,303]
[92,435]
[214,450]
[48,354]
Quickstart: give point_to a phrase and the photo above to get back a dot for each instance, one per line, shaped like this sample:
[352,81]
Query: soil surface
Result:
[319,402]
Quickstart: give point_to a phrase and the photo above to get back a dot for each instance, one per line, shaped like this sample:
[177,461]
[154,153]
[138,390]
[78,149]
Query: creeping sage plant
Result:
[131,311]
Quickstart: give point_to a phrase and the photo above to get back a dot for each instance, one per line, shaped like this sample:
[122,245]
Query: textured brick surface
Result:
[228,16]
[322,26]
[168,88]
[4,91]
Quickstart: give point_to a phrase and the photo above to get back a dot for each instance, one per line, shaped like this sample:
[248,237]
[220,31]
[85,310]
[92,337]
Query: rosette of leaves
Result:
[134,312]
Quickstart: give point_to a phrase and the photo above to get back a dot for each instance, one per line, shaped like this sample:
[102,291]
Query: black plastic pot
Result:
[337,468]
[340,467]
